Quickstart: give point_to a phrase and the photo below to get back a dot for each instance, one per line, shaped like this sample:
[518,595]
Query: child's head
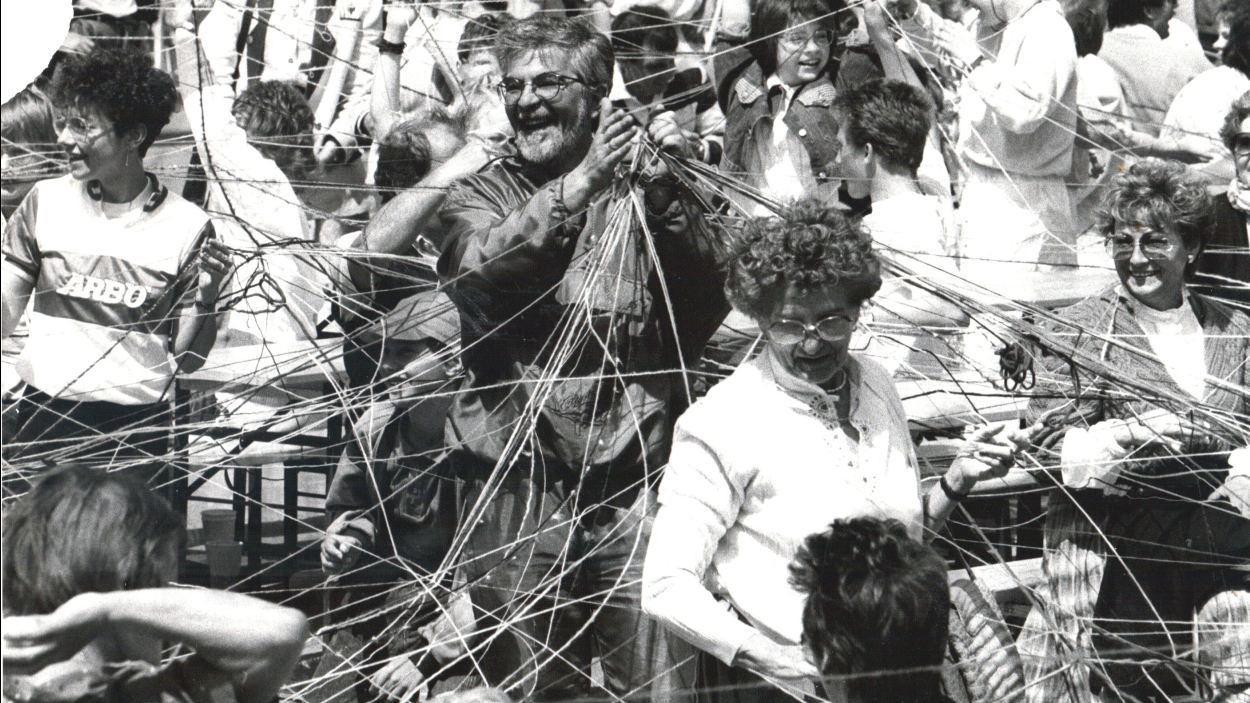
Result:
[797,39]
[877,601]
[83,530]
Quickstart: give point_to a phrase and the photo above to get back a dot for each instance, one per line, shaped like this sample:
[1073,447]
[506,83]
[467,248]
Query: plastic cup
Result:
[218,526]
[225,560]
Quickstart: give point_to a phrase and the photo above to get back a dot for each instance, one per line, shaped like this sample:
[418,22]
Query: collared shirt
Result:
[757,465]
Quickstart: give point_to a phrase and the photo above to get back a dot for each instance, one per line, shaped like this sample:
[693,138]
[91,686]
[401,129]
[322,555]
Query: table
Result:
[291,375]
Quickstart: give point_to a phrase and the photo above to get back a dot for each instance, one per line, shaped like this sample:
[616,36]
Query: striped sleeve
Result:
[20,247]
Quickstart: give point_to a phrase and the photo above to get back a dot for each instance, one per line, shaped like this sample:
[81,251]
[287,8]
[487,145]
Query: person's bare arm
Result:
[17,288]
[255,643]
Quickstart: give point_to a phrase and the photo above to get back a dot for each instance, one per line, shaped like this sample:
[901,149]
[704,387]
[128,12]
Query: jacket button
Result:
[802,132]
[821,175]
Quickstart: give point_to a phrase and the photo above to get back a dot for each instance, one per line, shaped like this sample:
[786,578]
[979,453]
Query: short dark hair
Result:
[1236,53]
[1161,193]
[404,152]
[1232,121]
[1125,13]
[1088,20]
[643,26]
[591,51]
[810,246]
[120,84]
[480,34]
[279,124]
[892,116]
[773,17]
[27,118]
[83,530]
[877,601]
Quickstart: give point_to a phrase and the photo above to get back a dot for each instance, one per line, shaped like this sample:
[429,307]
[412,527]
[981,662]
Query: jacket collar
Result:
[752,86]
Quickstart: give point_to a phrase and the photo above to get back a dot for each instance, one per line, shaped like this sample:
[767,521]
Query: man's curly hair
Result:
[279,123]
[877,601]
[810,246]
[119,84]
[1159,193]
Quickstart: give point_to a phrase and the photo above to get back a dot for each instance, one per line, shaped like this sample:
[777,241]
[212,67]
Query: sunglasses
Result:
[1153,246]
[546,87]
[834,328]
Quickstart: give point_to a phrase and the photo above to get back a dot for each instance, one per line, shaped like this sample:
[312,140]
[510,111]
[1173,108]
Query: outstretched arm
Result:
[255,643]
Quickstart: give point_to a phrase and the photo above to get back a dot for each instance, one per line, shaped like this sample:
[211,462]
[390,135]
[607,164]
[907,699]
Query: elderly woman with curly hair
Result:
[1144,393]
[803,434]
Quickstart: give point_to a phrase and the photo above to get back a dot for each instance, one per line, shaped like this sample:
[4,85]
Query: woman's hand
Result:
[215,263]
[982,456]
[340,549]
[399,17]
[31,642]
[399,679]
[1158,428]
[957,42]
[767,658]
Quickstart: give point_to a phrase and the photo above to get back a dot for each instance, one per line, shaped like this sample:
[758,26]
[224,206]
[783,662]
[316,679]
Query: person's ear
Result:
[136,136]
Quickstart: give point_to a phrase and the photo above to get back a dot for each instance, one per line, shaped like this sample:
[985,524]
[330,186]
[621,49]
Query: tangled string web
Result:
[263,413]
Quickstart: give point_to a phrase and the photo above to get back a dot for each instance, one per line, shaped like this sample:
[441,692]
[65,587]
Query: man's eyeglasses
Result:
[831,329]
[1153,245]
[79,128]
[1241,144]
[799,38]
[546,87]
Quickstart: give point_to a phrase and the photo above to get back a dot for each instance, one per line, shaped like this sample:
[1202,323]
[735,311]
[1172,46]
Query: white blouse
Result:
[754,470]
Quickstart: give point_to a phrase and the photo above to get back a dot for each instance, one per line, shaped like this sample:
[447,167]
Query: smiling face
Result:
[93,148]
[813,359]
[1154,270]
[550,133]
[803,51]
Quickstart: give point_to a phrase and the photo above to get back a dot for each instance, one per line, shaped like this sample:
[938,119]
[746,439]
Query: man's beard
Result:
[546,147]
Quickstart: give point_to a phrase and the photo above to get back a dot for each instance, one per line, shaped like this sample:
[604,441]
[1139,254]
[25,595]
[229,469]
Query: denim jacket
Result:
[810,117]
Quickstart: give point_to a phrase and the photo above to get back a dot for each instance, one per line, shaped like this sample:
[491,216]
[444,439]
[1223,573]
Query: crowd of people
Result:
[524,228]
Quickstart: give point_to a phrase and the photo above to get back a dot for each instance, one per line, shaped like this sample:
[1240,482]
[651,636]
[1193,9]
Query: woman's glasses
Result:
[546,87]
[1153,245]
[831,329]
[79,129]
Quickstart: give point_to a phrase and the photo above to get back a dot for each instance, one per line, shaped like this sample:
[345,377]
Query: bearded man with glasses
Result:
[574,331]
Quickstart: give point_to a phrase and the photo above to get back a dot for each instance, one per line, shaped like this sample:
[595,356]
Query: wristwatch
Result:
[389,47]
